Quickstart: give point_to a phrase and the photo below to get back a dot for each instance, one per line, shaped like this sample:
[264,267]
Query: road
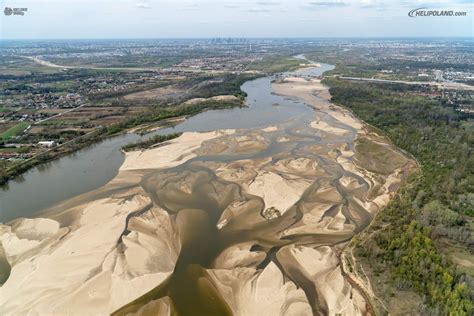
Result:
[95,130]
[442,85]
[59,114]
[45,63]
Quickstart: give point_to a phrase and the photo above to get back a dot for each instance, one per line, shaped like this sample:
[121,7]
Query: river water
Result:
[94,166]
[215,213]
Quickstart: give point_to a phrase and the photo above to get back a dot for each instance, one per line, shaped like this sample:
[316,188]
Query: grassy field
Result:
[15,130]
[15,150]
[273,64]
[64,84]
[376,157]
[27,71]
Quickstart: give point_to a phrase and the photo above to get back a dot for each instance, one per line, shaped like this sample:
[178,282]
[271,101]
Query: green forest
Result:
[436,206]
[152,141]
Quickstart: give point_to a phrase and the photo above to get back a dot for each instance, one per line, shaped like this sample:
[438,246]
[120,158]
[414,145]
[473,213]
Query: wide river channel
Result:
[95,165]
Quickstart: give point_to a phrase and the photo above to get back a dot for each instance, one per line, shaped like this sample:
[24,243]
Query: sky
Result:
[91,19]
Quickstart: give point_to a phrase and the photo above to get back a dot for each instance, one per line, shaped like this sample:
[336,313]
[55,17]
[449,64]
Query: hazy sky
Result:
[228,18]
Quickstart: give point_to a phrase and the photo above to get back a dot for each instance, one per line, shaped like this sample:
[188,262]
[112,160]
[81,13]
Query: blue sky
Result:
[226,18]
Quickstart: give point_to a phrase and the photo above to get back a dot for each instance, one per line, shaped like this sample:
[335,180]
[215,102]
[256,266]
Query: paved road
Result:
[45,63]
[442,85]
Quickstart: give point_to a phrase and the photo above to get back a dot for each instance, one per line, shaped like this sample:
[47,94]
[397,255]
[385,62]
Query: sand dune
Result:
[320,267]
[85,270]
[248,221]
[251,292]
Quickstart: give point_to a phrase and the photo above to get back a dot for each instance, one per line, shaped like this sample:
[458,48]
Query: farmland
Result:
[14,131]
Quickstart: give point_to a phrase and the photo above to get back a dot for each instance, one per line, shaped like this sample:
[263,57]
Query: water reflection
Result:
[94,166]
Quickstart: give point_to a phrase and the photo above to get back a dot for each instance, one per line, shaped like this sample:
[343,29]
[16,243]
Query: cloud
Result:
[231,6]
[433,3]
[328,4]
[143,5]
[257,10]
[190,5]
[268,3]
[378,5]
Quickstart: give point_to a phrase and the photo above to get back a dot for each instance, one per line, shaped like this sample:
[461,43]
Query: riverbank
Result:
[416,221]
[219,221]
[95,136]
[370,160]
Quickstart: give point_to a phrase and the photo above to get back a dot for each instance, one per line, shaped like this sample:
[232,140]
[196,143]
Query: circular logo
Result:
[8,11]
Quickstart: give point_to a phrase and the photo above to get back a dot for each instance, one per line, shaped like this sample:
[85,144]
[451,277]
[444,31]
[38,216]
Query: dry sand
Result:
[83,269]
[264,292]
[224,98]
[88,261]
[175,152]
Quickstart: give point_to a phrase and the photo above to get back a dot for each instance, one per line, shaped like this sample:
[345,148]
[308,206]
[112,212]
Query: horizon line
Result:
[238,37]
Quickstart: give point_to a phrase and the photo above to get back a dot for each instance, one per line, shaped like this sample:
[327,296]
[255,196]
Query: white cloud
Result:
[143,5]
[241,18]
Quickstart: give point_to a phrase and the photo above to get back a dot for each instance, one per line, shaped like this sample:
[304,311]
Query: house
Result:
[47,143]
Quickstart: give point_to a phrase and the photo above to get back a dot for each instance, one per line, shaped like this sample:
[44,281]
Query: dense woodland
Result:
[436,206]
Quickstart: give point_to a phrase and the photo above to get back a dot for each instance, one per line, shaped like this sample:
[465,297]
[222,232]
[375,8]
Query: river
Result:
[247,221]
[94,166]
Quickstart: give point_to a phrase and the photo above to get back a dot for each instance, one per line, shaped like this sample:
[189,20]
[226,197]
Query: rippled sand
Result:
[244,222]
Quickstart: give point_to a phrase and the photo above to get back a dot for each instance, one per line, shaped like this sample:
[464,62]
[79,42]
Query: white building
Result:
[47,143]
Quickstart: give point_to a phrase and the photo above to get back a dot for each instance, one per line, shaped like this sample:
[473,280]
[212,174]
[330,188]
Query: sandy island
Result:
[268,228]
